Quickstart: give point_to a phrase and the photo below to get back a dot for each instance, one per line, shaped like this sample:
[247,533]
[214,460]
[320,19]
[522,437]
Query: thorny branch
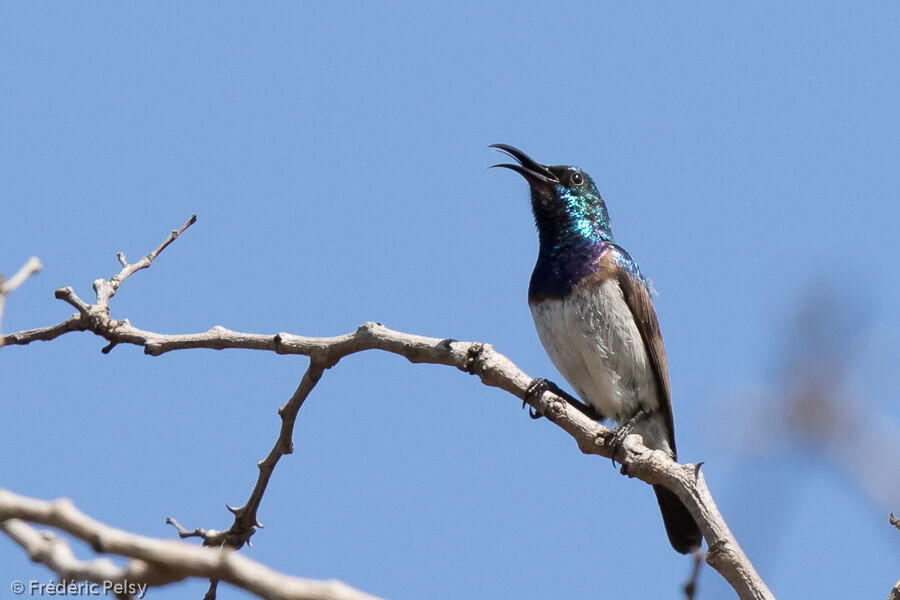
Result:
[494,369]
[245,521]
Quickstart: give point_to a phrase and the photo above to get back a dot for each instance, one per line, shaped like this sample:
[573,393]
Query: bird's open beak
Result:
[528,168]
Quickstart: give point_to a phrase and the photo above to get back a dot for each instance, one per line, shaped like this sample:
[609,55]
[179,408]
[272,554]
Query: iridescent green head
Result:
[566,204]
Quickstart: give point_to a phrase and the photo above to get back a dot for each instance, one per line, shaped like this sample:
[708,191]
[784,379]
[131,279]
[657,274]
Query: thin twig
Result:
[7,286]
[31,266]
[106,289]
[245,517]
[196,532]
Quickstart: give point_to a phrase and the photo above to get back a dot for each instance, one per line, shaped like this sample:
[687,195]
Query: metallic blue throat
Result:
[561,267]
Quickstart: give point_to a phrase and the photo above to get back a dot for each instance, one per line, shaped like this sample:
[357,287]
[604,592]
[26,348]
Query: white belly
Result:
[592,339]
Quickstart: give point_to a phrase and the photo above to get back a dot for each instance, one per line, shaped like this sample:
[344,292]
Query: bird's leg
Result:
[537,387]
[621,432]
[540,385]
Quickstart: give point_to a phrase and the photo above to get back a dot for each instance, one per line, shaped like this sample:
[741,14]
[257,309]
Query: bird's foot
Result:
[536,388]
[618,435]
[540,385]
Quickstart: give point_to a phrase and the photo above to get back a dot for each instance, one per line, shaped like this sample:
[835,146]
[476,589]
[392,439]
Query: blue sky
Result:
[335,155]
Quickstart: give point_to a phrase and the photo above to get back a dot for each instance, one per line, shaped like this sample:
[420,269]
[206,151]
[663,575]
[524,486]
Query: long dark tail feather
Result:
[684,535]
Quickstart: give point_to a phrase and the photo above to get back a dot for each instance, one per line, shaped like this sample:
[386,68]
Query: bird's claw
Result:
[536,388]
[539,385]
[617,436]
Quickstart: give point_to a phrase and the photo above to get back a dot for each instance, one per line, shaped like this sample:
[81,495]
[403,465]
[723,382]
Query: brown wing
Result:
[638,299]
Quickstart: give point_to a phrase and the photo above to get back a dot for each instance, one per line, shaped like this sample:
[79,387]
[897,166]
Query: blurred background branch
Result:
[7,286]
[151,561]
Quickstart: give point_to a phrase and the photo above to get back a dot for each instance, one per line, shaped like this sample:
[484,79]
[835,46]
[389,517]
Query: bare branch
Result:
[7,286]
[199,532]
[154,562]
[46,548]
[106,289]
[31,266]
[91,317]
[43,334]
[245,517]
[494,369]
[245,521]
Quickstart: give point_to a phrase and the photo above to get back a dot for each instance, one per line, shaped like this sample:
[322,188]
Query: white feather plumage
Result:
[592,339]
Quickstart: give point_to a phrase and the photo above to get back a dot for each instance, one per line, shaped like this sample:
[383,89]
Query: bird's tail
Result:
[684,535]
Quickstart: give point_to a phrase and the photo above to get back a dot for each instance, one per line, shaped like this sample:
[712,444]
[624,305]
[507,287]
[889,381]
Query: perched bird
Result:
[592,309]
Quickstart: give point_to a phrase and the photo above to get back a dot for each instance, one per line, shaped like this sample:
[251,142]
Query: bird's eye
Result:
[577,179]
